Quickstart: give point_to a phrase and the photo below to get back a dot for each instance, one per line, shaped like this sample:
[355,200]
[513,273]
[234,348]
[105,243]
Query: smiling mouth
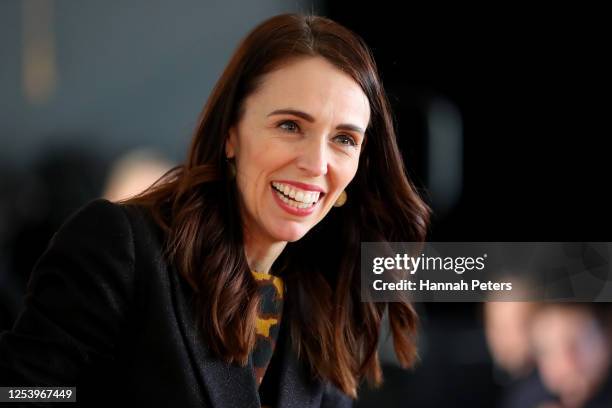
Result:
[297,198]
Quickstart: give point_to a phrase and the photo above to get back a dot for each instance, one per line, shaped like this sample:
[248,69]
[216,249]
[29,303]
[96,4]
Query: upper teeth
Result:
[297,194]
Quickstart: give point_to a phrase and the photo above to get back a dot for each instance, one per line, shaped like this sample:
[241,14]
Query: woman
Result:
[234,280]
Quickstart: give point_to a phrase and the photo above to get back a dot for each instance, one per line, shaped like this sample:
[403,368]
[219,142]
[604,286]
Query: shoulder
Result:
[97,217]
[96,237]
[78,300]
[104,220]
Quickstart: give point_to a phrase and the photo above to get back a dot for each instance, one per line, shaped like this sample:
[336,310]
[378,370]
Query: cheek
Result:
[339,177]
[257,165]
[346,172]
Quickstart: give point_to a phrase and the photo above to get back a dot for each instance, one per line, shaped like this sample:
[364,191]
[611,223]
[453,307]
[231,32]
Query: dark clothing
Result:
[106,313]
[530,392]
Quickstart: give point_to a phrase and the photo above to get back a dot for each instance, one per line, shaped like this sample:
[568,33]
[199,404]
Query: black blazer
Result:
[105,313]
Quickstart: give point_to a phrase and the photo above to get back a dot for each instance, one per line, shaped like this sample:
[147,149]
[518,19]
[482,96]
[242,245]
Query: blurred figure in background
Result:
[569,344]
[134,172]
[507,332]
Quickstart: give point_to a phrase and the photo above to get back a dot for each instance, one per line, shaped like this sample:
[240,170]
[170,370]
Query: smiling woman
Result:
[316,154]
[235,279]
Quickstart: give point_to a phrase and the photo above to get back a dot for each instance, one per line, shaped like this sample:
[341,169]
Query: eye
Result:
[346,140]
[292,127]
[295,126]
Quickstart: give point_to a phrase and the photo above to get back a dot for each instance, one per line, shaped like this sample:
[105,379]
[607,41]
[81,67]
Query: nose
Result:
[313,157]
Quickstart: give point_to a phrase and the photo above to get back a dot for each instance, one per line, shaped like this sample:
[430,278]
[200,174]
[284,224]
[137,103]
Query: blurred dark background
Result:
[502,117]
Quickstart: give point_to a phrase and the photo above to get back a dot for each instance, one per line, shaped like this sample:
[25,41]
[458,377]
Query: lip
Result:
[292,210]
[302,186]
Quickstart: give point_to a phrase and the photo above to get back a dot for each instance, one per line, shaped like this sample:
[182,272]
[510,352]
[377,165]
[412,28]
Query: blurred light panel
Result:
[445,151]
[39,71]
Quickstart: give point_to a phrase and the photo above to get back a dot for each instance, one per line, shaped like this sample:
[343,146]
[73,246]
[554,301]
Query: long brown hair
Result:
[196,204]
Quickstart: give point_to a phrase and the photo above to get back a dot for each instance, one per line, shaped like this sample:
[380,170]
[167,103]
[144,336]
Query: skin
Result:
[507,331]
[288,147]
[572,353]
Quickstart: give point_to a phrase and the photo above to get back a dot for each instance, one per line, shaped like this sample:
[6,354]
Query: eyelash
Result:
[353,142]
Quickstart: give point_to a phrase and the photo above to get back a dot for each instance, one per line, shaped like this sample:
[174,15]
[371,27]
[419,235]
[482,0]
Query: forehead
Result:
[315,86]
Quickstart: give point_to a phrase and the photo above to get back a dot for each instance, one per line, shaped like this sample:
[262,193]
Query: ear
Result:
[230,143]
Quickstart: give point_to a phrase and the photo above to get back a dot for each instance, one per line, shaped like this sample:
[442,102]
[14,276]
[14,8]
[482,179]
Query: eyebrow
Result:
[310,118]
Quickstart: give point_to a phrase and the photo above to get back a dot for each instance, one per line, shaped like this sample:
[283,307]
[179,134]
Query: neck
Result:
[262,253]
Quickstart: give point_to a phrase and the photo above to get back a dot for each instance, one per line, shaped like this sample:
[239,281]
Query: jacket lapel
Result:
[224,384]
[296,389]
[235,386]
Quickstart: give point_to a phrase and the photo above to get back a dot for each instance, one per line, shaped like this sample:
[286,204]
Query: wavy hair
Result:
[196,205]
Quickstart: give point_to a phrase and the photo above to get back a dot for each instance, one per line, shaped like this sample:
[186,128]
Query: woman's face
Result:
[301,133]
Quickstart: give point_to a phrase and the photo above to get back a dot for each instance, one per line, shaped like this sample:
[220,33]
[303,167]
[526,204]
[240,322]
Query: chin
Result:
[290,233]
